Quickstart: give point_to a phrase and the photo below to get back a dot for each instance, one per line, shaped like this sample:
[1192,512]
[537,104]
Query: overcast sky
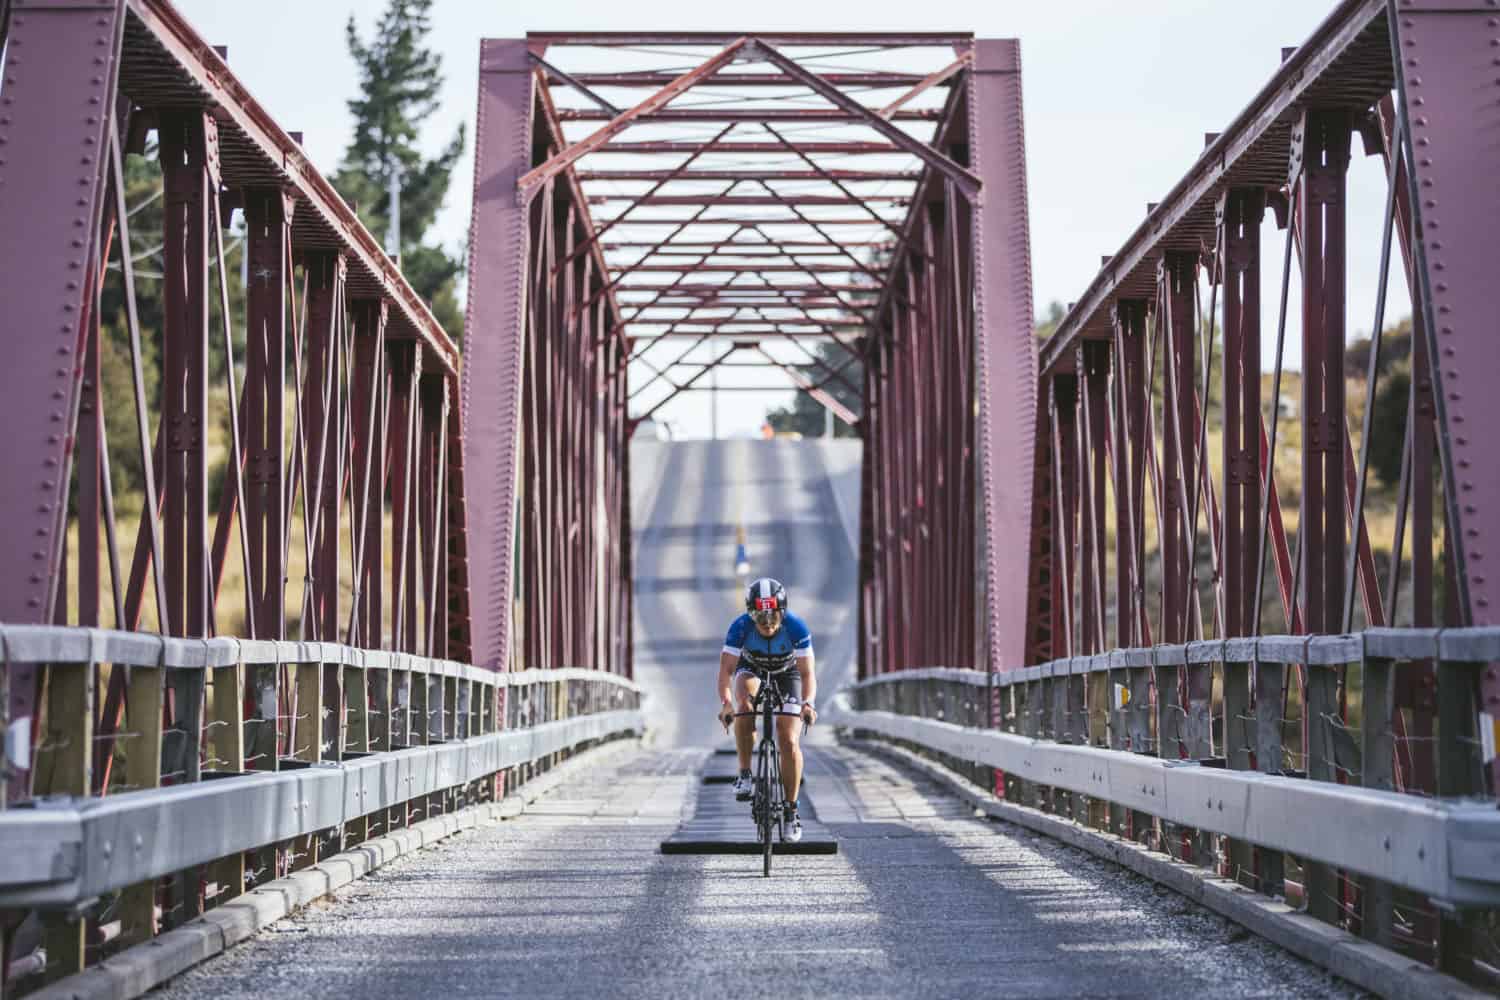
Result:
[1117,98]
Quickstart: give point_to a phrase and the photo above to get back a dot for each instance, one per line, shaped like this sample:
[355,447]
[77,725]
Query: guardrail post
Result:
[1056,728]
[226,741]
[427,719]
[1169,720]
[1120,823]
[1377,751]
[1096,704]
[431,717]
[264,733]
[1169,710]
[1270,685]
[1238,749]
[1198,732]
[1076,692]
[466,709]
[450,708]
[307,745]
[356,737]
[64,758]
[145,697]
[64,766]
[1138,734]
[1031,726]
[378,685]
[182,765]
[307,723]
[1459,768]
[181,760]
[332,712]
[1320,884]
[402,695]
[1459,772]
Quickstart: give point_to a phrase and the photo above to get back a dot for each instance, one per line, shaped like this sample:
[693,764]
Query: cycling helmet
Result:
[765,599]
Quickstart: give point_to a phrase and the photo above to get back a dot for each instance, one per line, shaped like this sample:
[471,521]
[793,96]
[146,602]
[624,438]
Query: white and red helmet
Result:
[765,594]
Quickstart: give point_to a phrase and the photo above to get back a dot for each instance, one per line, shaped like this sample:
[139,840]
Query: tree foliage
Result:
[805,415]
[400,82]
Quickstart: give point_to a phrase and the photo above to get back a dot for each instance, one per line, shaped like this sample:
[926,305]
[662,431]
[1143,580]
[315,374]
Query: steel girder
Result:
[948,473]
[544,394]
[1126,411]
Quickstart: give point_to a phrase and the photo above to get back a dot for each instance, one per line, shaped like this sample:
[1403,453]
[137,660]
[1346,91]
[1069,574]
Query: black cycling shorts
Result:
[789,681]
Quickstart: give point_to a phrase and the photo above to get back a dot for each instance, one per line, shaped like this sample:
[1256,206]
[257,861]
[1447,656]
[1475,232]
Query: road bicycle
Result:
[768,799]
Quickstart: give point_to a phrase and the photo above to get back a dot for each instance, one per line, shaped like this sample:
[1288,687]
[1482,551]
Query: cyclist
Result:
[767,639]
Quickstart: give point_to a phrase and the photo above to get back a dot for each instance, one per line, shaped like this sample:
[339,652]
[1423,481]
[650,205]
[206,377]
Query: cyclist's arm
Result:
[727,663]
[809,679]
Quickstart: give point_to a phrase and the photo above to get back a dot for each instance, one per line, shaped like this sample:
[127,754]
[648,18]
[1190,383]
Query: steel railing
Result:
[1100,738]
[278,751]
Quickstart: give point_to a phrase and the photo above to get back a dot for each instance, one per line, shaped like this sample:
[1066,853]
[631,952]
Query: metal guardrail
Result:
[277,751]
[1447,849]
[65,852]
[1459,645]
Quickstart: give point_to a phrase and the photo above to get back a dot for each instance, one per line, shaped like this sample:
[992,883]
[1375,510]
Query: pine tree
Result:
[400,80]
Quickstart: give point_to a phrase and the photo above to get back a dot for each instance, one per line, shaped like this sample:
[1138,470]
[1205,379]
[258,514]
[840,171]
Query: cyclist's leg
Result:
[746,684]
[789,734]
[788,738]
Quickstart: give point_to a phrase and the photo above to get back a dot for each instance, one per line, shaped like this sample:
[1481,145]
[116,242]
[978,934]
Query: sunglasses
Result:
[770,617]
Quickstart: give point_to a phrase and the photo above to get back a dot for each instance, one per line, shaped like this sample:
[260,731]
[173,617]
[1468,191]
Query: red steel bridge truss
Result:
[652,210]
[1189,485]
[328,398]
[191,310]
[686,204]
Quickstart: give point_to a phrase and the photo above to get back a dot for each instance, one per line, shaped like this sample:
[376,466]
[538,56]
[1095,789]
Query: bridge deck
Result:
[721,825]
[574,899]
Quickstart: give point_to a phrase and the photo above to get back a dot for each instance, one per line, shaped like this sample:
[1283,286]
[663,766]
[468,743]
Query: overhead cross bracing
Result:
[748,192]
[846,212]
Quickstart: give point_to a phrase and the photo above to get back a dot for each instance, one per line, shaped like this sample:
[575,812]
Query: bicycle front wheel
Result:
[770,779]
[768,820]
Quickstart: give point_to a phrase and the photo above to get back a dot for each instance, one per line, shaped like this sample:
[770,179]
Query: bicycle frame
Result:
[768,800]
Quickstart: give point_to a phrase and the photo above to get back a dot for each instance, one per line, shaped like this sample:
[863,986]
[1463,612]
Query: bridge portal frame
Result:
[943,325]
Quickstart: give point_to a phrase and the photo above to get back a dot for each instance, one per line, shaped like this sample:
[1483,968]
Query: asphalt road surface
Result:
[573,898]
[691,497]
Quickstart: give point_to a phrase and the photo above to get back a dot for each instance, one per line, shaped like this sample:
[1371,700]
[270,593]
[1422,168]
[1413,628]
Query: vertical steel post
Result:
[1005,360]
[1064,419]
[1045,558]
[1321,143]
[368,468]
[1131,429]
[494,339]
[1445,58]
[1177,279]
[405,365]
[189,160]
[268,223]
[1239,214]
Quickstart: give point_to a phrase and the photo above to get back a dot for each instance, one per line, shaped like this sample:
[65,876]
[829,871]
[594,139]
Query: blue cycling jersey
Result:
[793,641]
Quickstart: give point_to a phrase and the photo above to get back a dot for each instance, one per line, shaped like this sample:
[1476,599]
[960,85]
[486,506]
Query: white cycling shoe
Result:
[791,827]
[744,788]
